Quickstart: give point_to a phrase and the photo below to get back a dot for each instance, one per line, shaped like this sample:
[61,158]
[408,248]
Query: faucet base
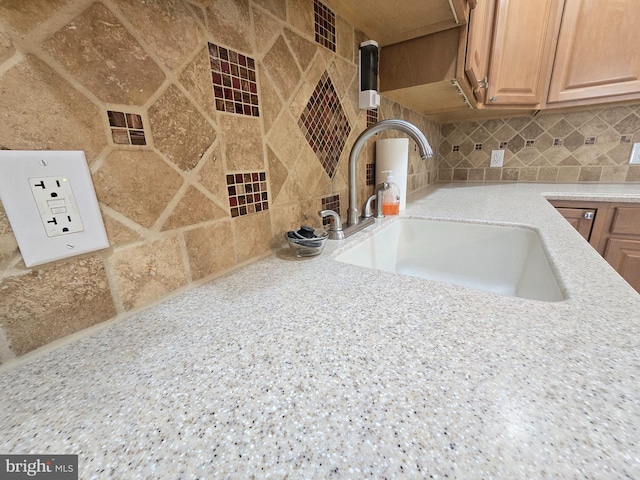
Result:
[351,228]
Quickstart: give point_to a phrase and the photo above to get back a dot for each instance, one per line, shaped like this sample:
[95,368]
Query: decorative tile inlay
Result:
[503,145]
[325,125]
[478,146]
[370,173]
[234,81]
[247,193]
[325,25]
[626,138]
[590,141]
[455,148]
[558,142]
[372,116]
[127,128]
[529,143]
[331,202]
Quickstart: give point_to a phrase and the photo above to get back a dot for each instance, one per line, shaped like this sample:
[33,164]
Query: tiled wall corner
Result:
[582,146]
[211,128]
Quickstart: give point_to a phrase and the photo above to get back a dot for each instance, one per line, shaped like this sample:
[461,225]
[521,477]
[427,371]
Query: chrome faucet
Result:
[354,223]
[391,124]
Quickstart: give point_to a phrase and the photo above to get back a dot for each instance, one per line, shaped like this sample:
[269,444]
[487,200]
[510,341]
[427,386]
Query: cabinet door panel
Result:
[524,37]
[580,218]
[624,256]
[626,221]
[479,46]
[597,53]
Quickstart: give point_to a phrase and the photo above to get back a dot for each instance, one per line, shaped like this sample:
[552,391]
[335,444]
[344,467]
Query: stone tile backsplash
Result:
[581,146]
[200,163]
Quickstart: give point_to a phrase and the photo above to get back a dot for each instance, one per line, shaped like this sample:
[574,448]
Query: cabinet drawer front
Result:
[626,221]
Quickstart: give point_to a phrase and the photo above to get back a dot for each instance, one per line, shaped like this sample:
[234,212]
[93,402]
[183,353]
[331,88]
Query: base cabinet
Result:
[613,229]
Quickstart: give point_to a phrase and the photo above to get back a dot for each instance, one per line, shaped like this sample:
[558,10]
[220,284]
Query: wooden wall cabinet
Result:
[597,56]
[614,231]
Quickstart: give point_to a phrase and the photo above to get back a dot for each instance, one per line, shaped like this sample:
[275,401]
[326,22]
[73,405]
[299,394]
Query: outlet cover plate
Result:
[497,158]
[18,169]
[634,159]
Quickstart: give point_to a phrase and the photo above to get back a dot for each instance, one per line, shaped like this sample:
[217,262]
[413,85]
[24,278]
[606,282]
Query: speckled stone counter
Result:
[319,369]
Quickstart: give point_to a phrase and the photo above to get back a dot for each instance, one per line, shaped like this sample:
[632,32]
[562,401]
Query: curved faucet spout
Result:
[391,124]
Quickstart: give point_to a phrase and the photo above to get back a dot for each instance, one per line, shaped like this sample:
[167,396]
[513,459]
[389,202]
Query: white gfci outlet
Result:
[56,204]
[634,159]
[51,204]
[497,158]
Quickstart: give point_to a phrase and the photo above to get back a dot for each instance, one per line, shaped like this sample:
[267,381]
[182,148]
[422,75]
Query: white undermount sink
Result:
[508,260]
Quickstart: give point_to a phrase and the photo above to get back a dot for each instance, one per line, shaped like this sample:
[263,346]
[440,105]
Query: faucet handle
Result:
[367,206]
[335,225]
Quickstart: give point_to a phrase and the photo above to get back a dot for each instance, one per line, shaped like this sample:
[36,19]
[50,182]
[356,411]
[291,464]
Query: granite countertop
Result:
[319,369]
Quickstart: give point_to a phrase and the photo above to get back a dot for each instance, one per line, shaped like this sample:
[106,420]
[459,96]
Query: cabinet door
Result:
[624,256]
[479,47]
[524,38]
[580,218]
[597,53]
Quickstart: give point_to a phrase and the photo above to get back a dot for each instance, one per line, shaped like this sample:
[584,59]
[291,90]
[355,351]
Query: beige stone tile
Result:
[147,273]
[311,79]
[242,138]
[167,26]
[284,218]
[460,174]
[210,249]
[613,115]
[282,68]
[342,73]
[344,38]
[633,174]
[212,175]
[97,49]
[548,174]
[253,235]
[476,174]
[267,29]
[301,15]
[275,7]
[194,208]
[118,233]
[303,50]
[492,174]
[77,296]
[196,79]
[229,24]
[6,47]
[286,140]
[8,245]
[620,154]
[614,174]
[137,184]
[308,171]
[528,174]
[278,174]
[446,174]
[590,174]
[66,120]
[510,174]
[270,103]
[179,131]
[568,174]
[23,15]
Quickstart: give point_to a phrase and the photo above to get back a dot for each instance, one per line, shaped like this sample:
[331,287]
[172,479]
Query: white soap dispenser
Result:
[391,196]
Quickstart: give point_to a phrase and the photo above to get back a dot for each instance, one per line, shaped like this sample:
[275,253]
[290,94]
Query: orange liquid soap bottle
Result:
[391,197]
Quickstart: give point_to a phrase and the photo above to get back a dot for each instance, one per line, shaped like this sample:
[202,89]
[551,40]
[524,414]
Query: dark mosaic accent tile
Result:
[370,173]
[558,142]
[455,148]
[626,138]
[372,117]
[247,193]
[477,146]
[590,141]
[325,25]
[128,128]
[325,125]
[331,202]
[529,143]
[503,145]
[234,81]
